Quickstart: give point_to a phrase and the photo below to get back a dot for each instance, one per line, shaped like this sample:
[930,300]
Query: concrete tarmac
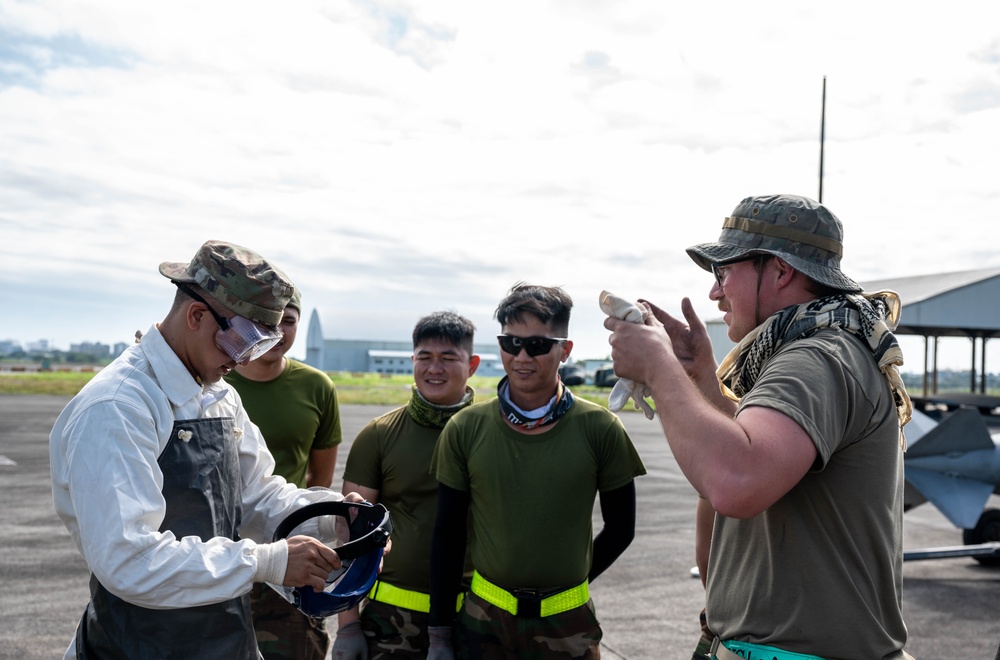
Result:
[648,602]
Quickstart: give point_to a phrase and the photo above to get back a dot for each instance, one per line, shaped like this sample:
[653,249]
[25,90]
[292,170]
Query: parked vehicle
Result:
[572,374]
[605,377]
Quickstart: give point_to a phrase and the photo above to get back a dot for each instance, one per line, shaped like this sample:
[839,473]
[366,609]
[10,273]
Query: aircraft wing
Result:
[954,464]
[960,500]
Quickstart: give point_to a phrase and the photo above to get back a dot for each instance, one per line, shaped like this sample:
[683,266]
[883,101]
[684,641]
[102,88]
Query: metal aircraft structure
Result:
[954,463]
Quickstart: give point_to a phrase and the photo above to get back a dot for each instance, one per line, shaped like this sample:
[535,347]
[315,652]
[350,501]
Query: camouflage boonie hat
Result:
[296,300]
[237,277]
[798,230]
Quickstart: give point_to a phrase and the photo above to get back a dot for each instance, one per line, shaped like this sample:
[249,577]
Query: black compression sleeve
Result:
[618,512]
[448,553]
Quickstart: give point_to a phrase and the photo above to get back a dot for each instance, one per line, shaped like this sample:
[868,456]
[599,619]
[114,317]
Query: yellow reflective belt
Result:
[554,604]
[417,601]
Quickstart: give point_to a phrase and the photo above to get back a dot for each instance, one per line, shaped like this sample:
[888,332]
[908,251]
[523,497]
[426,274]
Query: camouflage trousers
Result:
[283,632]
[486,632]
[394,632]
[703,650]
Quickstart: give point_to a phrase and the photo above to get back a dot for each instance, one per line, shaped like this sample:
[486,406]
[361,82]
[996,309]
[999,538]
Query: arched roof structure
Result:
[958,304]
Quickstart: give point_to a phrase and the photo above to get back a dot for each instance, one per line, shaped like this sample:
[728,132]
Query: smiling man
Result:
[295,407]
[389,463]
[528,465]
[166,486]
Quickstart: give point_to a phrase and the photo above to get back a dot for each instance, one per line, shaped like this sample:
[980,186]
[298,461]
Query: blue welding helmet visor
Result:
[345,591]
[346,587]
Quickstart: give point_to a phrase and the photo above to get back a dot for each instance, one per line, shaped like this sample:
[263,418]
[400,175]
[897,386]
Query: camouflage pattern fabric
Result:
[485,631]
[239,278]
[796,229]
[295,301]
[394,632]
[283,632]
[703,651]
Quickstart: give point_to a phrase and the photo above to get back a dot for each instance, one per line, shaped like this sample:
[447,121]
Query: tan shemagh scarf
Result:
[870,316]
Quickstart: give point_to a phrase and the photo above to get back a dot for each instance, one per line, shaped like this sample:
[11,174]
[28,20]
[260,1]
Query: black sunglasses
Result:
[534,346]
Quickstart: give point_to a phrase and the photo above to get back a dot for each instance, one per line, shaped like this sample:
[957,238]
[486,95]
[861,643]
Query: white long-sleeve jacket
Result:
[106,483]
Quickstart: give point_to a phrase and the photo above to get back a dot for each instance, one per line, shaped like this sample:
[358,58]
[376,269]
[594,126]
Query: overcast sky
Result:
[397,158]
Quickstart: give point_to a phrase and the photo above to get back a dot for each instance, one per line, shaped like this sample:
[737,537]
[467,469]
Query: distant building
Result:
[8,346]
[93,349]
[40,346]
[718,332]
[119,349]
[378,356]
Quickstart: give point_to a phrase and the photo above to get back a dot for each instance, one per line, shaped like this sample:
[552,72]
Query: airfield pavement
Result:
[648,602]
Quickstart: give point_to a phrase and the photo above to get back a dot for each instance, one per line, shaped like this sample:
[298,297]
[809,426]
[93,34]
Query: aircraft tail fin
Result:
[962,430]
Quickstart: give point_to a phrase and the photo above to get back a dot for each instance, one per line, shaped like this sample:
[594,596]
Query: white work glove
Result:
[350,643]
[620,308]
[440,646]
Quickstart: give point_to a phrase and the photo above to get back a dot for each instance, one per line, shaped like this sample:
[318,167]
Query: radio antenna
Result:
[822,139]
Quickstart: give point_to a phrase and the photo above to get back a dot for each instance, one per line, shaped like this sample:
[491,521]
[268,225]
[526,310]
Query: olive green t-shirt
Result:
[392,454]
[296,413]
[820,571]
[532,496]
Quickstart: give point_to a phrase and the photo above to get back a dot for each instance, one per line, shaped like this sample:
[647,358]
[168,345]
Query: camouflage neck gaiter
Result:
[432,415]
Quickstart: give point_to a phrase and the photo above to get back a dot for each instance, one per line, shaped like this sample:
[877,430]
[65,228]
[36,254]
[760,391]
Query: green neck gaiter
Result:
[428,414]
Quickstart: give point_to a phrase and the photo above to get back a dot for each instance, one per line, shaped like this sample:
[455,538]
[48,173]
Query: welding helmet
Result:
[361,556]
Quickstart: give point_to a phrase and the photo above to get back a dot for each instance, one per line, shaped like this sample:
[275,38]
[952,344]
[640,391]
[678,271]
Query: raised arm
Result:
[740,465]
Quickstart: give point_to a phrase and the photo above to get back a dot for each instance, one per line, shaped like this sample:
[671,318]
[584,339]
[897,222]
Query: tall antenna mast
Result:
[822,139]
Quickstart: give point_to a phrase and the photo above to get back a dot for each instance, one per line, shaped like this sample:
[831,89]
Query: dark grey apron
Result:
[201,486]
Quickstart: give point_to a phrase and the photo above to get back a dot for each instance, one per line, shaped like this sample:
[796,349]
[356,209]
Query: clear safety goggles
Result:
[240,338]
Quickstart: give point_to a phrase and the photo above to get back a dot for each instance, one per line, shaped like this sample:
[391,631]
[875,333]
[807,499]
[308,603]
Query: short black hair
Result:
[448,326]
[550,304]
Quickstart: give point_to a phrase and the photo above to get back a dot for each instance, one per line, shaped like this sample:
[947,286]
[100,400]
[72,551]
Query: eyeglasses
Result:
[721,270]
[238,337]
[534,346]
